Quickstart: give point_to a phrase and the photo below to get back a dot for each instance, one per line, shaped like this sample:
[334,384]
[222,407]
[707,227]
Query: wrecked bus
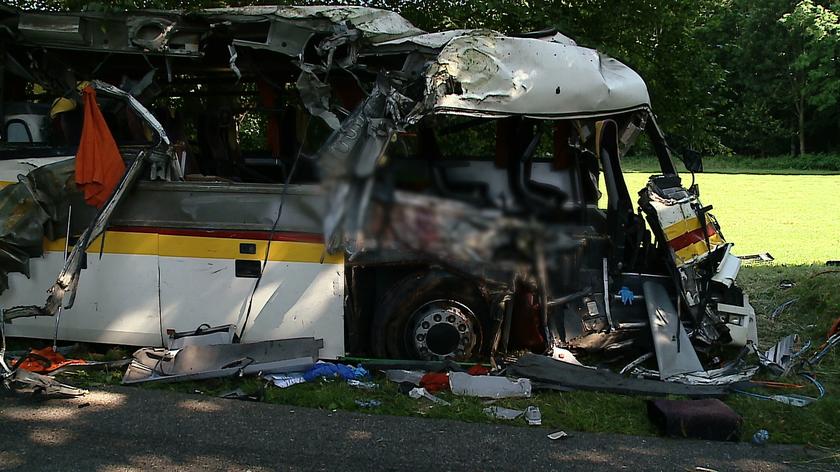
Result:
[336,172]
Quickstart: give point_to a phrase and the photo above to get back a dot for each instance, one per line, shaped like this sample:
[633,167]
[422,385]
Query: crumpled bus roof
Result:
[375,24]
[470,72]
[489,74]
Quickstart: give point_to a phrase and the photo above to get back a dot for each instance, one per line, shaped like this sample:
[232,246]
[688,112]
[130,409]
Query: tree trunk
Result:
[801,110]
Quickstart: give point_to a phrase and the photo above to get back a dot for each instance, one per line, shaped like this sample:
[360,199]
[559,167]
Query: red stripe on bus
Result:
[290,236]
[691,237]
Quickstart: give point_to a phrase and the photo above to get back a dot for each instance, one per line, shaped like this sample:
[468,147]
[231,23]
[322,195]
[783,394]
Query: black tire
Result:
[392,326]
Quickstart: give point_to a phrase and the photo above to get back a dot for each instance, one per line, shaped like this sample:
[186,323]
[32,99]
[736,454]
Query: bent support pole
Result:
[63,292]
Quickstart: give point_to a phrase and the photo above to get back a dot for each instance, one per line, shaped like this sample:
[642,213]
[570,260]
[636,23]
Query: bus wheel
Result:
[430,316]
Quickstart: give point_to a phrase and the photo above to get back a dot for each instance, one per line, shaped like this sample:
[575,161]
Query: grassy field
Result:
[792,217]
[807,164]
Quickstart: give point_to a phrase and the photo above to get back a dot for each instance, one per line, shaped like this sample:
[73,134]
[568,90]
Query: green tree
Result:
[814,70]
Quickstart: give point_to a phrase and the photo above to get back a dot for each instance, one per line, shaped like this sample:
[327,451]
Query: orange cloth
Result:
[44,361]
[99,165]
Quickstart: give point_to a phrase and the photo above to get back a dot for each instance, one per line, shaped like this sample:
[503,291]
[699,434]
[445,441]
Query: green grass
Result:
[796,165]
[792,217]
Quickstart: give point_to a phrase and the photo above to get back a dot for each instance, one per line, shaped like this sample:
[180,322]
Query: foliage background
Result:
[751,77]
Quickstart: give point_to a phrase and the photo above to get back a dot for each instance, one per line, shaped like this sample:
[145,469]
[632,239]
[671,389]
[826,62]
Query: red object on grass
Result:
[435,381]
[478,369]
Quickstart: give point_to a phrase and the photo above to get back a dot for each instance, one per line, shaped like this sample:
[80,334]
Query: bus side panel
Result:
[208,278]
[298,299]
[117,301]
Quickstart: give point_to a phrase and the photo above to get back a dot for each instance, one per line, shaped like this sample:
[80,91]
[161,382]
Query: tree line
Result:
[753,77]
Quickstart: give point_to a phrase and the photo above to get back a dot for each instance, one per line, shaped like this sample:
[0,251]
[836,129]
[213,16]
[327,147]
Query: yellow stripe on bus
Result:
[682,227]
[149,244]
[227,248]
[116,242]
[697,249]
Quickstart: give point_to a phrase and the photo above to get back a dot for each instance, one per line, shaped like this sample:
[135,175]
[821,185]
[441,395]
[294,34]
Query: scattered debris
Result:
[503,413]
[400,376]
[551,374]
[368,403]
[195,362]
[435,381]
[558,435]
[533,416]
[329,370]
[285,380]
[782,307]
[782,358]
[43,384]
[760,257]
[826,347]
[362,385]
[418,392]
[239,394]
[760,437]
[488,386]
[786,284]
[48,361]
[791,399]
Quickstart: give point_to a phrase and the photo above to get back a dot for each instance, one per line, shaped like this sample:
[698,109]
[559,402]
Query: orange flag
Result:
[99,165]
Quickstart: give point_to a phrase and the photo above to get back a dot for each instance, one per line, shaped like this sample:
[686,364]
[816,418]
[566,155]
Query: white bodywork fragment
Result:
[487,74]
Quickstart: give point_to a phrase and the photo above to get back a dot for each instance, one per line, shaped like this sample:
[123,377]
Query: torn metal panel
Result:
[720,377]
[63,292]
[429,41]
[142,32]
[284,38]
[488,386]
[194,362]
[487,74]
[164,163]
[674,353]
[293,26]
[782,357]
[53,28]
[349,158]
[549,373]
[31,210]
[45,384]
[315,96]
[728,268]
[377,25]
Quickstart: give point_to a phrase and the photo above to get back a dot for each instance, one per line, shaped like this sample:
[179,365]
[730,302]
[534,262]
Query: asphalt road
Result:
[133,429]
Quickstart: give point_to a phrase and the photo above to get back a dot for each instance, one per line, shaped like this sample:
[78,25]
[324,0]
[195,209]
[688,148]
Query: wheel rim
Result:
[443,329]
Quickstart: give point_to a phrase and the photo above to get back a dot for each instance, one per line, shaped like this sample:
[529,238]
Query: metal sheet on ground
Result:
[549,373]
[220,360]
[674,353]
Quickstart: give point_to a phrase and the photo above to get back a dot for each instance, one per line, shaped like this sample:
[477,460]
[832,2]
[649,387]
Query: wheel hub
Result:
[444,329]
